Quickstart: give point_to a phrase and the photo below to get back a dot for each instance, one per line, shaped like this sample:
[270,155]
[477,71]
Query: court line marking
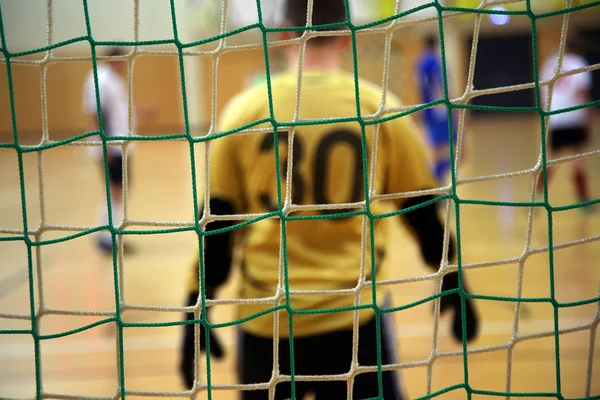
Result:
[167,342]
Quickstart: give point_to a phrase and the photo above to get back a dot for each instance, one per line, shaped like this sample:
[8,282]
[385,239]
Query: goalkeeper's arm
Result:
[426,226]
[217,264]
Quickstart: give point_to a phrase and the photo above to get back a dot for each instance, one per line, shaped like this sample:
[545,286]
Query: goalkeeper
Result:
[322,254]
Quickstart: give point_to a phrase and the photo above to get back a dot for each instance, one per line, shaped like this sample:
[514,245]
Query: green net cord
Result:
[387,25]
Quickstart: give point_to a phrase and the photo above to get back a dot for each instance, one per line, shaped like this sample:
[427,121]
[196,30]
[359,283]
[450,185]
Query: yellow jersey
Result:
[327,168]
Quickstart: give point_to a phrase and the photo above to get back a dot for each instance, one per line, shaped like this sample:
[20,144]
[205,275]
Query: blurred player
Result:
[569,131]
[115,120]
[322,254]
[431,87]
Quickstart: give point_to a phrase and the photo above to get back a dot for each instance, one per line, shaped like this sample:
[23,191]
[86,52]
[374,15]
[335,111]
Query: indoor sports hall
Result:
[80,320]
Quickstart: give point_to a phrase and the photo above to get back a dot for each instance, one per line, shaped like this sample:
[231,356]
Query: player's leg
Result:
[580,180]
[323,355]
[366,385]
[115,180]
[579,140]
[580,175]
[255,365]
[569,141]
[335,352]
[440,143]
[557,140]
[331,355]
[115,170]
[441,162]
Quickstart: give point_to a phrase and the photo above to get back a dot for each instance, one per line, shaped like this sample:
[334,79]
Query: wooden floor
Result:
[76,277]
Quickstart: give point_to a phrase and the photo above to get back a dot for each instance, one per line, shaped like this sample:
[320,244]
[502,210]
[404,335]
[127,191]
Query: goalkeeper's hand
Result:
[186,366]
[453,301]
[216,348]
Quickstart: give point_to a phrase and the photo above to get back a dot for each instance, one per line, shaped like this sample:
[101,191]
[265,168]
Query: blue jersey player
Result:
[435,119]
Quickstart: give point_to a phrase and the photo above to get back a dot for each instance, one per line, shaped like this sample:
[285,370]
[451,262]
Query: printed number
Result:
[326,145]
[267,145]
[320,167]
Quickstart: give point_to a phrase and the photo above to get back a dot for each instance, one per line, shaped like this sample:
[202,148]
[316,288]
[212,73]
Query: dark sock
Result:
[581,184]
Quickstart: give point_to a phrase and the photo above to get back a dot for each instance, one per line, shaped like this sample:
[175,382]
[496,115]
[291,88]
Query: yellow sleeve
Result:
[225,172]
[408,159]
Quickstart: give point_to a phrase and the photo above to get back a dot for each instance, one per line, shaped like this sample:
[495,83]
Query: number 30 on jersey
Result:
[320,160]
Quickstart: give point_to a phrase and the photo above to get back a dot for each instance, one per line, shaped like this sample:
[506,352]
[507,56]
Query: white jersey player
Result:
[115,120]
[569,131]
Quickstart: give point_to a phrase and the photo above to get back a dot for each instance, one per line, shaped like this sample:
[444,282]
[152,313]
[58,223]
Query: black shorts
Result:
[327,354]
[567,138]
[115,169]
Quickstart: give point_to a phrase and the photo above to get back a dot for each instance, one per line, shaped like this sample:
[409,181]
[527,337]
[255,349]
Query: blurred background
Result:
[113,20]
[63,189]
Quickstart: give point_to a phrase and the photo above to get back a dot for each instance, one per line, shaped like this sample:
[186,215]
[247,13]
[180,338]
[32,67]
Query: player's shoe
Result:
[105,246]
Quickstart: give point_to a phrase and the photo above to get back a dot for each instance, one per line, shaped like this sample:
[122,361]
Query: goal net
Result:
[397,16]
